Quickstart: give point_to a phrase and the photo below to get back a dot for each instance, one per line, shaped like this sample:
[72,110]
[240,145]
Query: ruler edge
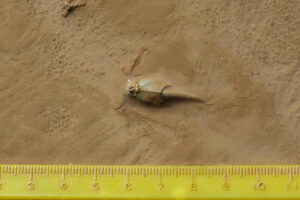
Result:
[146,170]
[158,170]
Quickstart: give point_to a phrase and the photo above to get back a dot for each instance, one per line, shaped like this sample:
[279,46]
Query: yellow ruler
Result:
[149,182]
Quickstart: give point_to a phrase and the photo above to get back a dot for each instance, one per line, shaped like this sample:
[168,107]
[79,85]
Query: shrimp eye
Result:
[131,89]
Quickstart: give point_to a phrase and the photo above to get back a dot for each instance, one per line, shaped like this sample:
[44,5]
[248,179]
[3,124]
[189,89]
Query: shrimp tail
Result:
[169,94]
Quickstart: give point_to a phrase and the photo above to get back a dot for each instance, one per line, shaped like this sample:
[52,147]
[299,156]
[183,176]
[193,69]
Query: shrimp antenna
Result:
[136,62]
[138,59]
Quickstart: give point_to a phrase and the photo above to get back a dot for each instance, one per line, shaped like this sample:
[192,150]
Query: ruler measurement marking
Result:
[95,183]
[160,183]
[165,171]
[110,171]
[1,184]
[81,171]
[9,170]
[30,183]
[63,184]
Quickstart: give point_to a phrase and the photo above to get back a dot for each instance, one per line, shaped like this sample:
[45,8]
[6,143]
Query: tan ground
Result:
[61,78]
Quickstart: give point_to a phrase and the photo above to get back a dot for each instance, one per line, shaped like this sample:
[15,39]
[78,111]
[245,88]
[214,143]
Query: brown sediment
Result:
[61,78]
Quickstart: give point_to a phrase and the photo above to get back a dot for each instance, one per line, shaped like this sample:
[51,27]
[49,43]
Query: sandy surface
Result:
[62,77]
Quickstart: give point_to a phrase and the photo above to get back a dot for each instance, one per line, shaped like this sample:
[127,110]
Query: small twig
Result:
[71,5]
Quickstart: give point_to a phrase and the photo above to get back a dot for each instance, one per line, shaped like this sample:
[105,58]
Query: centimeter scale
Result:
[149,182]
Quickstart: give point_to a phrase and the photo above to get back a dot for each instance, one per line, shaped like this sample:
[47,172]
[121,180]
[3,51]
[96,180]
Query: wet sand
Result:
[61,79]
